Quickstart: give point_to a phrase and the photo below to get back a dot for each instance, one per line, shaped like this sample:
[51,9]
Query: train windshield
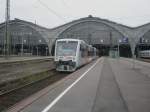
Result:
[66,48]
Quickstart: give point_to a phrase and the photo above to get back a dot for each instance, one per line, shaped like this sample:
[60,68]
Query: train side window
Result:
[82,50]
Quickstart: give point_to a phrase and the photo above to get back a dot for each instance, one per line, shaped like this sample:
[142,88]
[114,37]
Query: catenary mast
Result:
[7,30]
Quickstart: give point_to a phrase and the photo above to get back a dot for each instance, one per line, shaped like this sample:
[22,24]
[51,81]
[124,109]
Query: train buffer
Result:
[104,85]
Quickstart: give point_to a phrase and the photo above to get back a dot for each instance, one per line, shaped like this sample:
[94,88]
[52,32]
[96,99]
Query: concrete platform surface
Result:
[16,59]
[27,66]
[106,85]
[22,70]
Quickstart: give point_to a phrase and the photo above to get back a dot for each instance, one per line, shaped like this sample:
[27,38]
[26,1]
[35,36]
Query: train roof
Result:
[78,40]
[66,39]
[145,51]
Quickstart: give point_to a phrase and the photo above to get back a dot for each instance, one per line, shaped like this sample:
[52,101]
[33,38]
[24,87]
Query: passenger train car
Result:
[144,54]
[72,53]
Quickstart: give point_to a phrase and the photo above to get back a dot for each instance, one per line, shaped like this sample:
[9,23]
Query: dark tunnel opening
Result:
[125,50]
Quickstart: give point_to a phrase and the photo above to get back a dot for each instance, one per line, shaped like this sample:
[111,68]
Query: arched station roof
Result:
[132,33]
[118,27]
[41,31]
[50,35]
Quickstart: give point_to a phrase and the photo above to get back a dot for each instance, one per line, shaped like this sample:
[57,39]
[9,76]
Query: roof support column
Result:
[51,41]
[133,42]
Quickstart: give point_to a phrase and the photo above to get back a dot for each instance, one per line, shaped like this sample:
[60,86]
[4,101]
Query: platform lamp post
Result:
[102,41]
[22,27]
[119,41]
[146,42]
[46,50]
[22,46]
[37,48]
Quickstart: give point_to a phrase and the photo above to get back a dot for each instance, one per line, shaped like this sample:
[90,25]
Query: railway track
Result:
[11,97]
[145,60]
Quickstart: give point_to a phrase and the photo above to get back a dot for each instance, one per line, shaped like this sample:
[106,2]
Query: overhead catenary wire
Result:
[52,11]
[65,4]
[69,9]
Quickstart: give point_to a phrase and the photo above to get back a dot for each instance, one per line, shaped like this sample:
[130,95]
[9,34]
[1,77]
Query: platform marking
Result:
[66,90]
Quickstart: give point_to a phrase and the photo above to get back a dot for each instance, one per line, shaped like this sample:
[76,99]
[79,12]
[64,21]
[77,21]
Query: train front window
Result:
[66,48]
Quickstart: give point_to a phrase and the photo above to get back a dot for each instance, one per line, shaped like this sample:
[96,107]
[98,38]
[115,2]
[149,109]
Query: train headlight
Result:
[56,58]
[73,58]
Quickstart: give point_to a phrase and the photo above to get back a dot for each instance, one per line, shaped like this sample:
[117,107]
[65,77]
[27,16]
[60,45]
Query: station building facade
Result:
[25,38]
[101,33]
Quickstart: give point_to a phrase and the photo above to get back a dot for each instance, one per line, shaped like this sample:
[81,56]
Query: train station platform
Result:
[19,71]
[20,58]
[105,85]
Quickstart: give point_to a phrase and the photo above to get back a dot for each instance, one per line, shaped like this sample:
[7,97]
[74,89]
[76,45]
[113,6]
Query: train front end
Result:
[65,55]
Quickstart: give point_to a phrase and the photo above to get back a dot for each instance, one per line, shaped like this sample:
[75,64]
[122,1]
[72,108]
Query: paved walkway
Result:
[110,85]
[108,97]
[134,84]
